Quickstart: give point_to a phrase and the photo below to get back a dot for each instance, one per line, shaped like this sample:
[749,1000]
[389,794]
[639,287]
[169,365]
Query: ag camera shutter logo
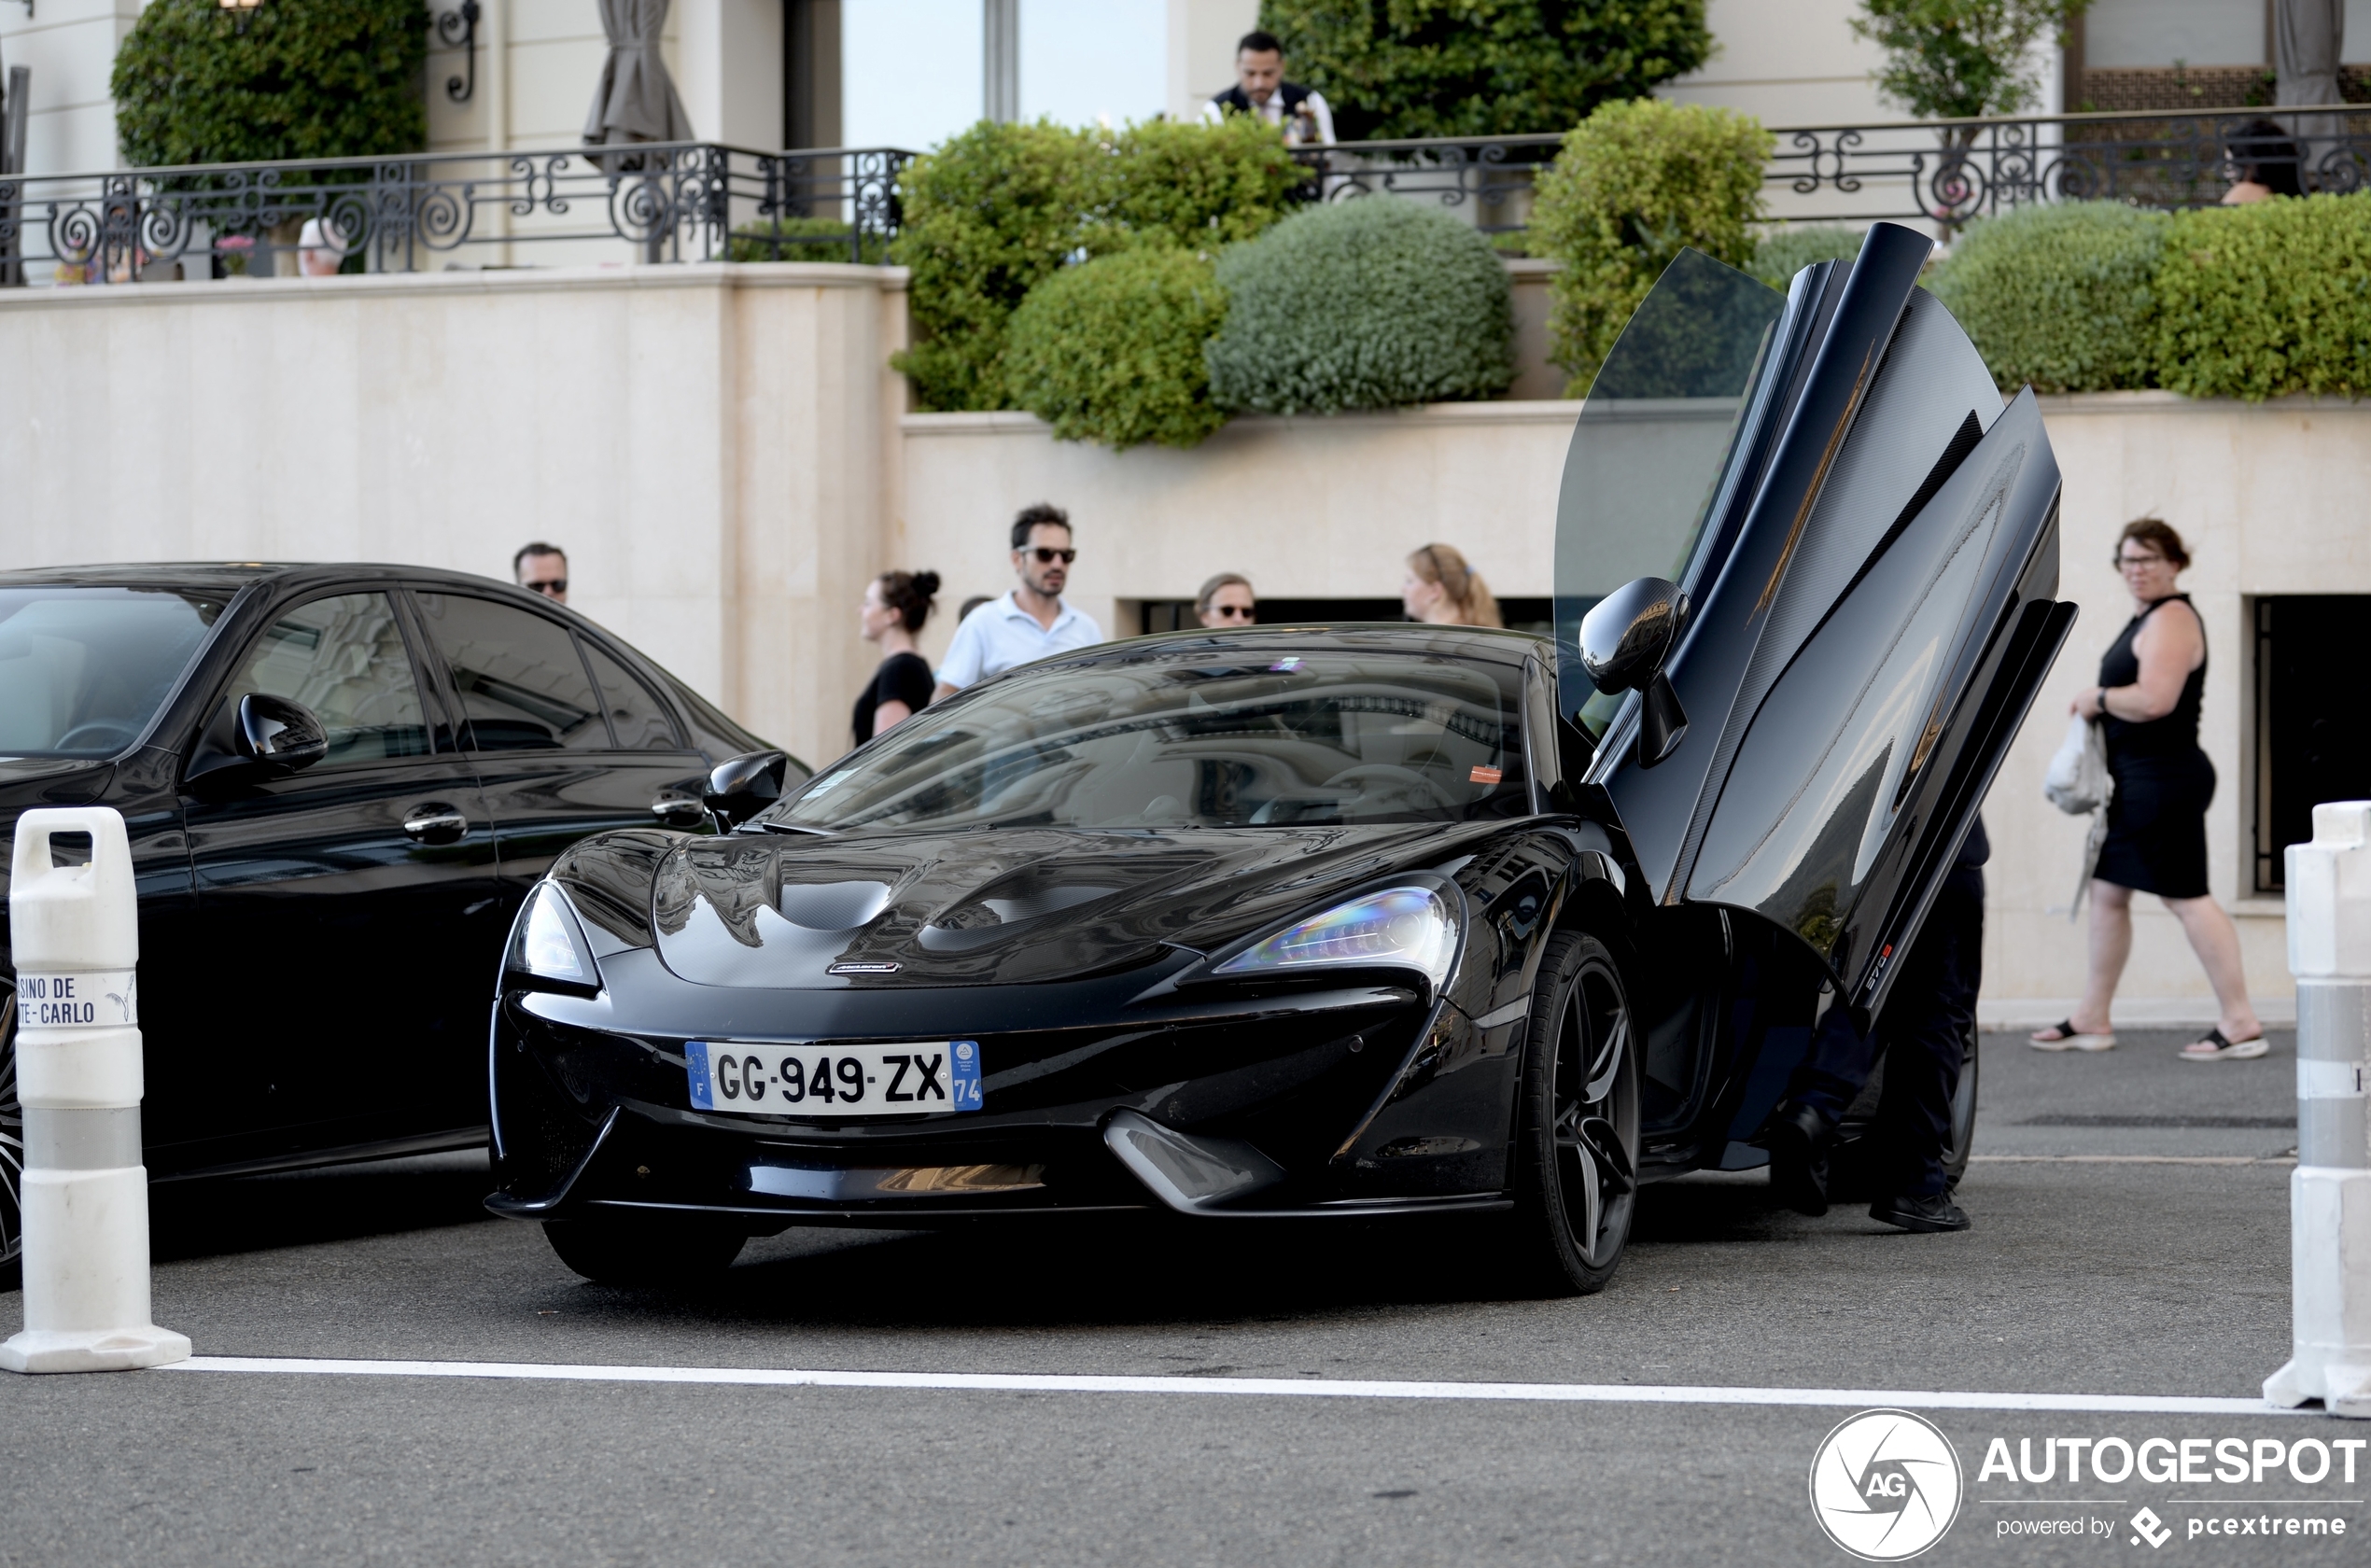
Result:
[1885,1485]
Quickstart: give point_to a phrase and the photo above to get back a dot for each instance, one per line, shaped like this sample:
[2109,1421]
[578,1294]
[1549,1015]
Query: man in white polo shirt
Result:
[1031,621]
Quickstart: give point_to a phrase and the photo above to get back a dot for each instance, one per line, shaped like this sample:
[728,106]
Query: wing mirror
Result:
[1624,641]
[741,787]
[278,735]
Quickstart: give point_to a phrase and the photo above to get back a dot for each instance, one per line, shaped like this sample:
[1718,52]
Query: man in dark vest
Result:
[1261,89]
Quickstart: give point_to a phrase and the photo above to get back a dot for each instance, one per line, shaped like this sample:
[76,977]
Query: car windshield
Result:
[1223,738]
[82,671]
[1651,445]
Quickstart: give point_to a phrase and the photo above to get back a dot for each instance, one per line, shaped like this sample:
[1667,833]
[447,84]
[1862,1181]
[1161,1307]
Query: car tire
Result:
[12,1146]
[633,1249]
[1575,1155]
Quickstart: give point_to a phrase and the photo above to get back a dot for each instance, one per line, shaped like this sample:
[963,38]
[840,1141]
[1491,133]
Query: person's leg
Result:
[1817,1095]
[1925,1054]
[2110,947]
[2216,942]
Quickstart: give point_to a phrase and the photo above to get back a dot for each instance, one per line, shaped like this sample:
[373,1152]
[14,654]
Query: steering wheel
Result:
[100,732]
[1417,791]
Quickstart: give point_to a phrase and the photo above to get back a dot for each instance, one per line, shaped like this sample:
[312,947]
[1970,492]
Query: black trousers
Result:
[1923,1033]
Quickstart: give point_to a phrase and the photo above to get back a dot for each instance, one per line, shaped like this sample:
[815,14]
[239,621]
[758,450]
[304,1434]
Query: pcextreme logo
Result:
[1885,1485]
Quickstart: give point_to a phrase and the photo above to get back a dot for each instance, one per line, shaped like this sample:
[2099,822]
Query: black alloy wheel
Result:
[11,1144]
[644,1250]
[1577,1154]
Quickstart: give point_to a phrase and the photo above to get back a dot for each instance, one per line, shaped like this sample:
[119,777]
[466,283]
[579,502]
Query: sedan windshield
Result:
[1206,739]
[82,671]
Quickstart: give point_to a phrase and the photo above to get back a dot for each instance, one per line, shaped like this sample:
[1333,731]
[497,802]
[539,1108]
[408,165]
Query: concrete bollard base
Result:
[2330,1244]
[119,1350]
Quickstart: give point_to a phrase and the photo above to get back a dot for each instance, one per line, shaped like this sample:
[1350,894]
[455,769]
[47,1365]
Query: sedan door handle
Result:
[435,822]
[679,811]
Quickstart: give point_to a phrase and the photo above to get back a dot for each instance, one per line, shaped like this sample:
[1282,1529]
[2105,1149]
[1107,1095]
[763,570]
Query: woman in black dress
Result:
[2151,681]
[896,604]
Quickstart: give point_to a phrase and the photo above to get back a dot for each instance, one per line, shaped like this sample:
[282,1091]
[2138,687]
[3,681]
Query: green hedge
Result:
[803,239]
[1635,183]
[2258,301]
[1111,350]
[1374,303]
[2061,296]
[995,211]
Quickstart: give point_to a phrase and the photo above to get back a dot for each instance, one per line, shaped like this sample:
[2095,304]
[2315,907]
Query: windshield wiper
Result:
[790,828]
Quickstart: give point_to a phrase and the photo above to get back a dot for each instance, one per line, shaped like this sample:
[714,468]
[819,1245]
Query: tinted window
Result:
[636,718]
[521,682]
[344,658]
[82,671]
[1206,739]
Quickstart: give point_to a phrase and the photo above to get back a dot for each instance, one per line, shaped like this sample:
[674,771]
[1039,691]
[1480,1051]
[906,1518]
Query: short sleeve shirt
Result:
[1001,634]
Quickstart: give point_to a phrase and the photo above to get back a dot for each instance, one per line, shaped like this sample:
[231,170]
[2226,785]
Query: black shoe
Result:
[1921,1214]
[1797,1137]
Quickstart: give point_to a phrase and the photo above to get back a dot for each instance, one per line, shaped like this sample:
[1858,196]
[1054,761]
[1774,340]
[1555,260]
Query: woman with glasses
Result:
[2150,682]
[1227,600]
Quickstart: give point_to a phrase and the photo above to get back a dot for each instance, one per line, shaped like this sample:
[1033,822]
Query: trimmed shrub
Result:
[2257,300]
[986,216]
[1635,184]
[995,211]
[1206,185]
[324,78]
[803,239]
[1373,303]
[1481,67]
[2061,295]
[1111,350]
[1782,253]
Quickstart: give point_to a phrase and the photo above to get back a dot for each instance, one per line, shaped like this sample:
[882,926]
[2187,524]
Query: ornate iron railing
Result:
[655,203]
[1947,170]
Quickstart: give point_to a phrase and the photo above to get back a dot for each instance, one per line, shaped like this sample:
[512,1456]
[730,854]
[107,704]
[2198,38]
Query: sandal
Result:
[2214,1046]
[2063,1036]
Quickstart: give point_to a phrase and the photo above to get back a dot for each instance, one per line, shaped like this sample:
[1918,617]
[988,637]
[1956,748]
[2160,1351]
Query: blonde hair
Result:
[1466,591]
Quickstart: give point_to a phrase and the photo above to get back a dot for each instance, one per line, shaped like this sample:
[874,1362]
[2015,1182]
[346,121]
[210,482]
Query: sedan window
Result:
[521,681]
[1206,739]
[82,671]
[344,658]
[638,718]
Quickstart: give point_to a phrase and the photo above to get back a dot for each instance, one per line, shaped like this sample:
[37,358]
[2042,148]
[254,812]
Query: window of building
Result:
[2310,743]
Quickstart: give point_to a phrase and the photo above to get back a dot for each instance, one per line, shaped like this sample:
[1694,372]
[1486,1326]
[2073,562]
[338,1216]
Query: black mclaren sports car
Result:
[1349,921]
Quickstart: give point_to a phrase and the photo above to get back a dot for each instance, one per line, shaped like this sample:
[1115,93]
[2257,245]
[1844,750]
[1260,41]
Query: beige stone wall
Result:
[709,444]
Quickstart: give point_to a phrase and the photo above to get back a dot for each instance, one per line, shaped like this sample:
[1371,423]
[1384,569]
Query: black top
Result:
[1235,98]
[2176,735]
[902,677]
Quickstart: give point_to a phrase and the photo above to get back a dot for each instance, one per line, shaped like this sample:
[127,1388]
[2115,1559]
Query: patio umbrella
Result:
[636,100]
[2307,37]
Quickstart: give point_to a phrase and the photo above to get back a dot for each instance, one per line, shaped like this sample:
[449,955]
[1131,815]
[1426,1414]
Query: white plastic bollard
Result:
[75,933]
[2330,1192]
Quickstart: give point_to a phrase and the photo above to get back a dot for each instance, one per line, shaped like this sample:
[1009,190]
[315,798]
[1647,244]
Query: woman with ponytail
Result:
[896,604]
[1441,590]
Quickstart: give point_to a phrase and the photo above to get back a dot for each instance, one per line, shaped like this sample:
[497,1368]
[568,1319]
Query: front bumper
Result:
[1231,1104]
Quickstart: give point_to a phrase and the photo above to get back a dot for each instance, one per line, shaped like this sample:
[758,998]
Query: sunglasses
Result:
[1233,613]
[554,585]
[1047,557]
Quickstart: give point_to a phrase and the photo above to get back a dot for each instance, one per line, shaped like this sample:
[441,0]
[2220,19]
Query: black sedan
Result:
[1346,921]
[340,782]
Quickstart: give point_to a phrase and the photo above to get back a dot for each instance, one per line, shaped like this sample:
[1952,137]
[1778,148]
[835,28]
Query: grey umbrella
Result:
[636,100]
[2306,39]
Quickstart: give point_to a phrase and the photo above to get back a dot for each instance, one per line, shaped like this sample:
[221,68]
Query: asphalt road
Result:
[2131,1239]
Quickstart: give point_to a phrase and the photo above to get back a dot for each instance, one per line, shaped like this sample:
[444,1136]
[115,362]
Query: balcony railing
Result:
[704,201]
[650,202]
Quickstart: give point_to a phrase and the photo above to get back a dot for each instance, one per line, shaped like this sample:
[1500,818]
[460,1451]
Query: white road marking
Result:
[1297,1388]
[2131,1159]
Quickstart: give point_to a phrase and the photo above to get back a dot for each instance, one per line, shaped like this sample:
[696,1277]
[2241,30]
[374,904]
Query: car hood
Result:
[1005,906]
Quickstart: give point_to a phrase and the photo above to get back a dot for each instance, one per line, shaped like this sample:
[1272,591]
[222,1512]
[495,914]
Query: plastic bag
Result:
[2078,782]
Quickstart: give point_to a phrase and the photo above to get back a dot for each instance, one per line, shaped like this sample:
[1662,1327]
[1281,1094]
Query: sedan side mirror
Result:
[278,735]
[741,787]
[1624,639]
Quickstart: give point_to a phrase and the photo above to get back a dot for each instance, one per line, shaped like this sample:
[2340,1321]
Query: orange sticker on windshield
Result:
[1486,775]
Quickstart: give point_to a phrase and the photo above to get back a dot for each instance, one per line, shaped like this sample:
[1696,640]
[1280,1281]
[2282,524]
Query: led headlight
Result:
[546,943]
[1411,927]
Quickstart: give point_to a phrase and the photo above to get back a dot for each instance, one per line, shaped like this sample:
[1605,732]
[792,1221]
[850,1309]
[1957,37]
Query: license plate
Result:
[915,1079]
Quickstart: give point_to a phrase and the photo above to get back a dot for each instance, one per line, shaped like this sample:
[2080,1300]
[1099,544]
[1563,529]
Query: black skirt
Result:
[2157,825]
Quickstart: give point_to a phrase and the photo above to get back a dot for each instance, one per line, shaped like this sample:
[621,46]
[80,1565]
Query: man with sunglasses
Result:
[541,568]
[1031,621]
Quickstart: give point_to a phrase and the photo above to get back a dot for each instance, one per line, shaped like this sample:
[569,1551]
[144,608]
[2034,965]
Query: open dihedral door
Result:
[1869,545]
